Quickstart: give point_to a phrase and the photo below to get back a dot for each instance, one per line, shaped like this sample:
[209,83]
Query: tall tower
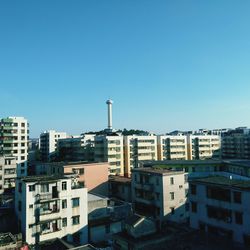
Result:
[109,103]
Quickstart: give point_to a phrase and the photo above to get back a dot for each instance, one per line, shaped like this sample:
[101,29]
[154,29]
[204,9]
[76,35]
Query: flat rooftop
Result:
[120,179]
[181,162]
[154,170]
[66,163]
[43,178]
[223,181]
[95,197]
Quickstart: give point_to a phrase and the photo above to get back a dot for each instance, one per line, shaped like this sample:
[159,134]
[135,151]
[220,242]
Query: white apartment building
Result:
[220,205]
[14,137]
[202,147]
[49,207]
[7,173]
[138,148]
[172,147]
[109,148]
[160,193]
[48,143]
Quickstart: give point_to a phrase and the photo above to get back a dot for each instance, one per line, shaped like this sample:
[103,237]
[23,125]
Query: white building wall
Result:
[31,224]
[48,142]
[201,215]
[179,190]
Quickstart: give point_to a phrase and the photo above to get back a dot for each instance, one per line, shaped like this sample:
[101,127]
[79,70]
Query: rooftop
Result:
[43,178]
[67,163]
[115,178]
[154,170]
[180,162]
[224,181]
[133,219]
[94,197]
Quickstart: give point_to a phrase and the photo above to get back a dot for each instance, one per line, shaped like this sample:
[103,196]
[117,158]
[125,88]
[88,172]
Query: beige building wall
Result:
[94,176]
[138,148]
[172,147]
[204,147]
[110,149]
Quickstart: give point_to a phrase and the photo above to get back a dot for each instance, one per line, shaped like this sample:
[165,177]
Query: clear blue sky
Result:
[166,64]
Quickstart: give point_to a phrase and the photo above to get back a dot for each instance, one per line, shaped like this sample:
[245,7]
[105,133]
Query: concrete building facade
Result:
[220,205]
[50,207]
[7,173]
[160,193]
[202,147]
[109,148]
[138,148]
[172,147]
[93,176]
[14,137]
[80,148]
[48,143]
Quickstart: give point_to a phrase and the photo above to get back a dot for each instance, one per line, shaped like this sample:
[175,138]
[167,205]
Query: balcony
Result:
[148,201]
[47,196]
[144,186]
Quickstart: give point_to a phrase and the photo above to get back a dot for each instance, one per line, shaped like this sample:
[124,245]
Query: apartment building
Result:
[138,148]
[203,146]
[109,148]
[160,193]
[49,207]
[48,143]
[80,148]
[172,147]
[220,206]
[236,144]
[94,176]
[14,137]
[7,173]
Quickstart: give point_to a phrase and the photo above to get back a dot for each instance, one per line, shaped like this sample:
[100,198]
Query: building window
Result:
[185,178]
[220,214]
[218,193]
[64,185]
[157,196]
[44,188]
[31,206]
[172,210]
[75,202]
[172,195]
[172,180]
[237,197]
[238,218]
[31,188]
[64,204]
[193,207]
[19,206]
[45,226]
[81,171]
[76,220]
[64,222]
[193,189]
[107,229]
[20,187]
[157,181]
